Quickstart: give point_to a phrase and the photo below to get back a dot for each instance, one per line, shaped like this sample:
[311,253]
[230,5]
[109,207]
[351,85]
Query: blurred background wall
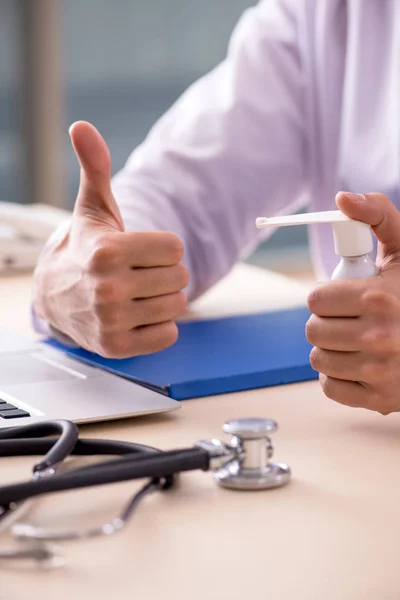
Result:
[117,63]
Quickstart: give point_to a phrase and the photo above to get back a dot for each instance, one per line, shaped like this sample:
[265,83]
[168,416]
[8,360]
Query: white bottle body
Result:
[355,267]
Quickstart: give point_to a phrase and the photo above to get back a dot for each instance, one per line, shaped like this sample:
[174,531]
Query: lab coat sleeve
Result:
[230,149]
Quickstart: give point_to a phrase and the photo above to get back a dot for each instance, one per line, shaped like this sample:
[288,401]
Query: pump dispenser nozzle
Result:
[353,240]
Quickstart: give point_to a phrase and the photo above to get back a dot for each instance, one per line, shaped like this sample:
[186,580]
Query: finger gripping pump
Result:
[353,240]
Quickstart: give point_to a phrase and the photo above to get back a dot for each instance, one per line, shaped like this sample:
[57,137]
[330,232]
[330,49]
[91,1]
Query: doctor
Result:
[306,103]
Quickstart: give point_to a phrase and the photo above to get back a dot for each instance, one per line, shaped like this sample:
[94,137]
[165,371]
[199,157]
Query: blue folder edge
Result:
[219,356]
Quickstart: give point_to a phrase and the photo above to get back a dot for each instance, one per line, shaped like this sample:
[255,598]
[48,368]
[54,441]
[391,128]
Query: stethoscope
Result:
[242,463]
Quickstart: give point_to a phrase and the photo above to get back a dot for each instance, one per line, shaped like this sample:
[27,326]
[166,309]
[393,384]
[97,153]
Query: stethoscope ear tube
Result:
[68,434]
[84,447]
[159,465]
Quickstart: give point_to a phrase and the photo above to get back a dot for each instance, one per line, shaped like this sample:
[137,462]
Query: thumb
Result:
[95,199]
[379,212]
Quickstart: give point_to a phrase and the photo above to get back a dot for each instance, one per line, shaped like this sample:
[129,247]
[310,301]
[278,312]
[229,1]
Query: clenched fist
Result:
[113,292]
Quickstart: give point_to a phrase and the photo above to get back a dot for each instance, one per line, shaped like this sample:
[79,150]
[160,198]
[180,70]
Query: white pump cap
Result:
[351,238]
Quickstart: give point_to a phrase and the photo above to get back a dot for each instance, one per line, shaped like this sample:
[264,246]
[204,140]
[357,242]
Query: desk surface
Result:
[332,533]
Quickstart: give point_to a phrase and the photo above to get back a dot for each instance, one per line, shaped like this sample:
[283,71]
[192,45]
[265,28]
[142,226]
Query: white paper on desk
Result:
[248,289]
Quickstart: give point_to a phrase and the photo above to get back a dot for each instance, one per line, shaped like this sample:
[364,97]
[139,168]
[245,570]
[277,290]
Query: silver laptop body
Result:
[40,383]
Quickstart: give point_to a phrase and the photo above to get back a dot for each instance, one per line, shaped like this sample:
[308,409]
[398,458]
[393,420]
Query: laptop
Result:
[40,383]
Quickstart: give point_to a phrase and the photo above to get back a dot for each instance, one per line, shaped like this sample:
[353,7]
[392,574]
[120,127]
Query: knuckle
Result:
[315,358]
[109,317]
[113,345]
[169,307]
[382,340]
[117,345]
[377,301]
[311,330]
[370,372]
[108,292]
[183,275]
[377,373]
[105,292]
[328,387]
[169,336]
[103,255]
[155,341]
[181,303]
[175,248]
[314,299]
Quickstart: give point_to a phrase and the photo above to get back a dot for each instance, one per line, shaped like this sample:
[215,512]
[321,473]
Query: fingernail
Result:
[354,197]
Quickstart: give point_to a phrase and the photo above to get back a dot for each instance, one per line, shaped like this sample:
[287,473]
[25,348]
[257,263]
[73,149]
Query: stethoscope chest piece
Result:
[251,469]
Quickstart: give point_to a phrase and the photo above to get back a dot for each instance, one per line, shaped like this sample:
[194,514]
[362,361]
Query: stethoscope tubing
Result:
[147,465]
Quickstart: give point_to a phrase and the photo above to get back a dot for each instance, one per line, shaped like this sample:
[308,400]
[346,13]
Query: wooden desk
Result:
[333,533]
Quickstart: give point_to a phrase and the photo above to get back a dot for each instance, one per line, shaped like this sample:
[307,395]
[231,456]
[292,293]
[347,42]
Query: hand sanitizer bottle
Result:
[352,239]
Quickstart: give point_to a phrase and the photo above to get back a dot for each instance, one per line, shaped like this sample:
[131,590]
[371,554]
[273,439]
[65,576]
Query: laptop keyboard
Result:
[9,411]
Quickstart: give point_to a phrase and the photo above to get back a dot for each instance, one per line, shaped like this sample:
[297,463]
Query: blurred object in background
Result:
[11,66]
[118,64]
[24,230]
[31,102]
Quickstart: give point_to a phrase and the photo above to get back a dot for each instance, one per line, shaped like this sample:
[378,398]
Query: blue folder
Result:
[219,356]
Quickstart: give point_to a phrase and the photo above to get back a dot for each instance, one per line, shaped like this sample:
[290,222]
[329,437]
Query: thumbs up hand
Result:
[355,328]
[113,292]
